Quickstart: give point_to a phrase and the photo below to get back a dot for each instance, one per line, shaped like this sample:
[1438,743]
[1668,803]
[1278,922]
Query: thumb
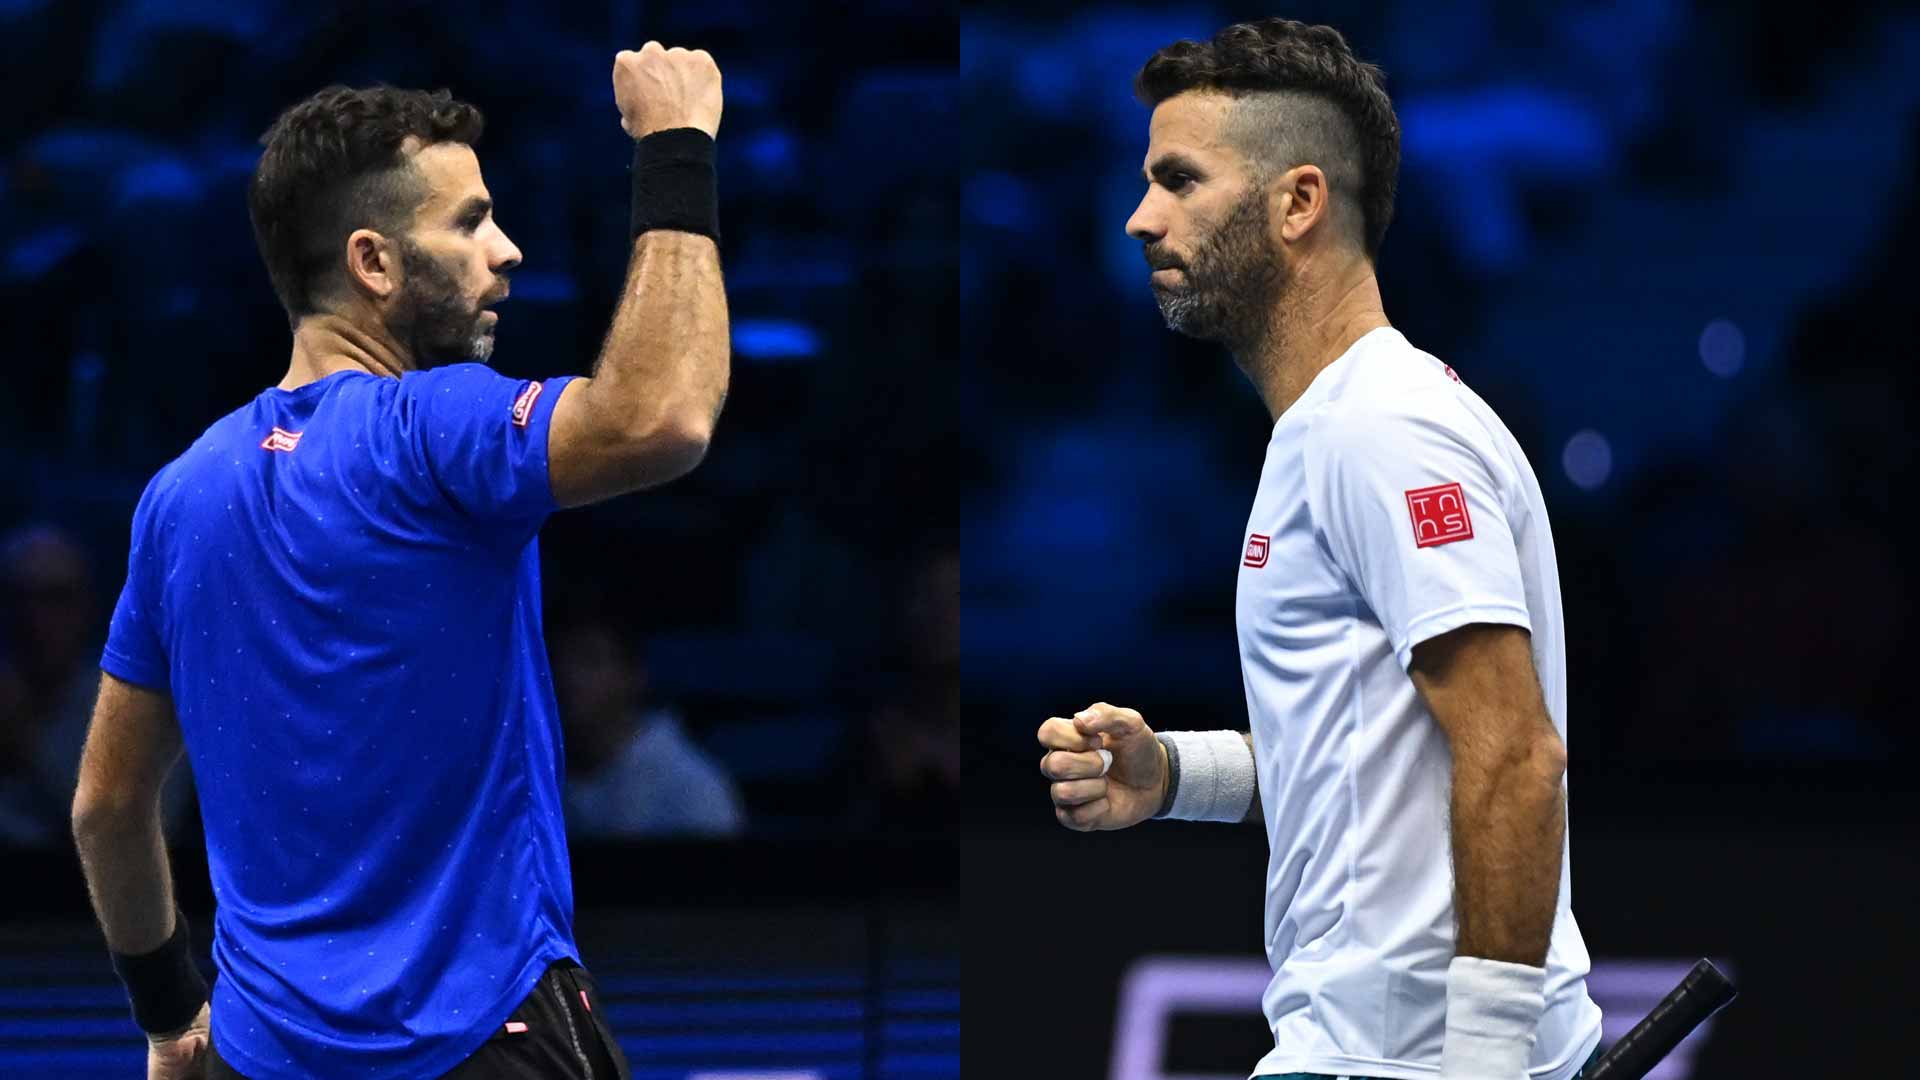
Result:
[1101,718]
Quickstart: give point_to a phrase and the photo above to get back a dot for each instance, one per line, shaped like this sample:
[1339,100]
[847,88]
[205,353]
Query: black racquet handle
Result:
[1701,994]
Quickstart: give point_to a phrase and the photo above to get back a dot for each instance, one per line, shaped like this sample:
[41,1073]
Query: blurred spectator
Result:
[632,770]
[913,734]
[48,678]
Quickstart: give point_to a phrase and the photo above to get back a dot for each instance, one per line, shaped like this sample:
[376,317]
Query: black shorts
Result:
[557,1033]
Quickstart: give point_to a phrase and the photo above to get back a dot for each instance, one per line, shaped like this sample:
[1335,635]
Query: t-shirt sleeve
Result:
[480,441]
[136,644]
[1410,504]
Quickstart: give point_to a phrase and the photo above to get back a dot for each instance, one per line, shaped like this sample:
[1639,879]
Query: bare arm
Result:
[1508,815]
[132,746]
[647,413]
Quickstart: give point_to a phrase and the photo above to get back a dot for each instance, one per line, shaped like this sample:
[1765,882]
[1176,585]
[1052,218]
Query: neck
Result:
[1311,327]
[326,343]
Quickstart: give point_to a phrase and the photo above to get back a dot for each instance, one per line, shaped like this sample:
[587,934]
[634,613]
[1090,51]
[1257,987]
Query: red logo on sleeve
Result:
[1257,547]
[281,439]
[523,405]
[1439,515]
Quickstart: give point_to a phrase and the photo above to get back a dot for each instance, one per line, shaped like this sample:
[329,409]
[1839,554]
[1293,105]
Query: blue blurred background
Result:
[759,662]
[1665,241]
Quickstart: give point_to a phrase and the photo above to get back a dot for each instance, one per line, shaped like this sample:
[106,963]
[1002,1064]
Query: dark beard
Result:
[433,316]
[1230,284]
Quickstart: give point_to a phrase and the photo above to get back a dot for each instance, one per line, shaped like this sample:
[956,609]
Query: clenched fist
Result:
[183,1054]
[1087,793]
[659,88]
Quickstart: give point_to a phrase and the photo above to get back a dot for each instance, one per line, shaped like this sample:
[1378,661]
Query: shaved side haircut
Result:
[1301,97]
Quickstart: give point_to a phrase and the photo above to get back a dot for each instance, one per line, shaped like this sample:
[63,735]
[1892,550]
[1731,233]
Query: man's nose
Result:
[1146,225]
[508,259]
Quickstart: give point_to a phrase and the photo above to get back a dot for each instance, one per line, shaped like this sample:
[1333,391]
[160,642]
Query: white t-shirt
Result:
[1394,506]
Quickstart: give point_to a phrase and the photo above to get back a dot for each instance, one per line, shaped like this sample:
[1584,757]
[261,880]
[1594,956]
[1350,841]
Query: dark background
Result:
[795,599]
[1668,243]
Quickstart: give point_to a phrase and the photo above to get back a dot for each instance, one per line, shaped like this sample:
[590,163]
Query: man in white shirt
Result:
[1398,606]
[632,768]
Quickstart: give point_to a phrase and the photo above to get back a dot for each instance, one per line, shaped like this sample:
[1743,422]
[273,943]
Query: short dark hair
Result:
[332,165]
[1353,134]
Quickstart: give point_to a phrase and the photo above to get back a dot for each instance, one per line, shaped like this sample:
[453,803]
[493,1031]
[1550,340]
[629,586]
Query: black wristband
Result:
[164,985]
[674,185]
[1173,774]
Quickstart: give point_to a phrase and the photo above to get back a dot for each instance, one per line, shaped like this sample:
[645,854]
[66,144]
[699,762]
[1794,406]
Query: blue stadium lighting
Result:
[545,286]
[1723,348]
[775,339]
[42,251]
[163,180]
[1588,459]
[773,150]
[999,200]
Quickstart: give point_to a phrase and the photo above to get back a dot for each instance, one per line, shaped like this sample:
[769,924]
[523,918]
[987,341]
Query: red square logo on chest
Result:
[1257,548]
[1439,515]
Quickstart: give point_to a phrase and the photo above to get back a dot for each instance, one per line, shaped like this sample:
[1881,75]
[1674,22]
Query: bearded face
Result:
[435,317]
[1226,288]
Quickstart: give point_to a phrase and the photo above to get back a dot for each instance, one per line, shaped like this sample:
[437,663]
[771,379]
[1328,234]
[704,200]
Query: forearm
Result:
[124,858]
[664,364]
[1509,827]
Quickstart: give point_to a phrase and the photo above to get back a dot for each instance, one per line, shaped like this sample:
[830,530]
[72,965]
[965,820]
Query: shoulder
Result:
[458,381]
[1388,399]
[470,392]
[215,447]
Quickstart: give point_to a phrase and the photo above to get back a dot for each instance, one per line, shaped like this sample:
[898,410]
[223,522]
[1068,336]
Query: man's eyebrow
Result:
[1170,163]
[474,205]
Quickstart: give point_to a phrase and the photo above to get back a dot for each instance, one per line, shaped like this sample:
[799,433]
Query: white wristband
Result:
[1210,775]
[1493,1009]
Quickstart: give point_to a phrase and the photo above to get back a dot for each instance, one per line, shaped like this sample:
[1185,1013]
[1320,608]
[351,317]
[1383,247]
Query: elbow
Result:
[682,446]
[1549,757]
[671,448]
[96,811]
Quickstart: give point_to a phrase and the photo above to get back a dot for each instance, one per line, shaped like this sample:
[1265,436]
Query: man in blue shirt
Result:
[333,603]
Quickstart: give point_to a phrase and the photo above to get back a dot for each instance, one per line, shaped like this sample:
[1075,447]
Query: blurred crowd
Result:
[758,654]
[1591,229]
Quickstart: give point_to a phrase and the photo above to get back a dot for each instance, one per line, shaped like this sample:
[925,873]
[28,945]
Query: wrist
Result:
[1163,800]
[164,986]
[674,183]
[1210,776]
[1493,1011]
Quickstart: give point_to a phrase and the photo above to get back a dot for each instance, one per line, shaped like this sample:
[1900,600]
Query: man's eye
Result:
[1176,181]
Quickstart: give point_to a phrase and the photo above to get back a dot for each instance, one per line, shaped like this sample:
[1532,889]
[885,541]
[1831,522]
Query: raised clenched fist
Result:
[659,88]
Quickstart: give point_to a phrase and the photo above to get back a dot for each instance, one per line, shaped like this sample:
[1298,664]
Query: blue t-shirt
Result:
[339,586]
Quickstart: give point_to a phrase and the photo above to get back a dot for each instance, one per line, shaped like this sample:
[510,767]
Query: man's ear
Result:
[1298,202]
[373,263]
